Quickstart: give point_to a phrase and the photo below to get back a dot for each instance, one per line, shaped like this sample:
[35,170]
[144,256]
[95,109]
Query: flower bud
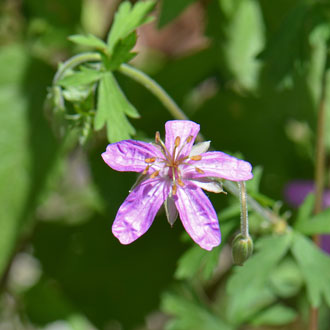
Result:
[242,249]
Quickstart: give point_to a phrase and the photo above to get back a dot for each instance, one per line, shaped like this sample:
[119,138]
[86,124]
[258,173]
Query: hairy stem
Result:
[244,210]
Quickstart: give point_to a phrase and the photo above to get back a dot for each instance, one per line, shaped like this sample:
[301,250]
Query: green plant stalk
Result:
[168,103]
[319,171]
[244,210]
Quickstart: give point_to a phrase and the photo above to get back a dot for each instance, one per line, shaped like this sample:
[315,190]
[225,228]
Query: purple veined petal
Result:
[183,129]
[139,209]
[219,165]
[198,216]
[130,155]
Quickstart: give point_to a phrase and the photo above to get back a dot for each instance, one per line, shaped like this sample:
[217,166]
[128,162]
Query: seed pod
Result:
[242,249]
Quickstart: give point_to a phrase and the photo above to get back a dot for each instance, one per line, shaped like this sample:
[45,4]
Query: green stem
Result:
[75,61]
[244,210]
[319,170]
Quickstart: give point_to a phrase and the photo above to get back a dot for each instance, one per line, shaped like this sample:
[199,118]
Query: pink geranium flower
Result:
[173,173]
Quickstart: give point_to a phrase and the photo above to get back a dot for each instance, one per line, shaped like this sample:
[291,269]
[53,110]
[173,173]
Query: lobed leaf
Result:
[197,260]
[275,315]
[112,108]
[190,314]
[318,224]
[315,268]
[88,40]
[247,287]
[85,77]
[121,51]
[127,19]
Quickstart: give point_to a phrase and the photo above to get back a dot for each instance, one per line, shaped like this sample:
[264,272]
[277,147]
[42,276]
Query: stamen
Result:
[145,171]
[174,189]
[162,144]
[180,183]
[177,141]
[189,138]
[157,137]
[150,160]
[154,174]
[197,157]
[199,170]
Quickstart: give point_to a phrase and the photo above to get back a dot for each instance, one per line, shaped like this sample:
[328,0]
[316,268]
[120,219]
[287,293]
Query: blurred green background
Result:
[249,72]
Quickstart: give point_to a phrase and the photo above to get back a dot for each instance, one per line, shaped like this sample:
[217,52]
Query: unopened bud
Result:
[242,249]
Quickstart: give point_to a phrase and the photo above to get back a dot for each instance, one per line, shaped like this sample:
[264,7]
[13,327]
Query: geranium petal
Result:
[199,148]
[198,216]
[130,155]
[138,211]
[219,165]
[208,184]
[183,129]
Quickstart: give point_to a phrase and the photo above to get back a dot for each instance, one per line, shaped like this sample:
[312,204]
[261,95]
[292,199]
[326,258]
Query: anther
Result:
[174,189]
[154,174]
[180,183]
[157,137]
[199,170]
[145,171]
[189,138]
[150,160]
[177,141]
[197,157]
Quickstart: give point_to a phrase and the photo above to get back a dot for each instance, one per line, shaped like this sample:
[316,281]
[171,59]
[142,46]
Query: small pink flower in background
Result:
[295,193]
[173,173]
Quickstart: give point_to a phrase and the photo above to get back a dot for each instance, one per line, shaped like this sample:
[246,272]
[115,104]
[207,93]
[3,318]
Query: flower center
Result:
[172,161]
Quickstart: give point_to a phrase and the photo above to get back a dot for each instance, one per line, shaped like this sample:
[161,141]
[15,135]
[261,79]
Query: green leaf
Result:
[170,9]
[85,77]
[247,287]
[112,106]
[127,19]
[27,146]
[315,268]
[190,315]
[88,40]
[318,224]
[121,51]
[244,33]
[197,260]
[275,315]
[287,45]
[286,280]
[306,209]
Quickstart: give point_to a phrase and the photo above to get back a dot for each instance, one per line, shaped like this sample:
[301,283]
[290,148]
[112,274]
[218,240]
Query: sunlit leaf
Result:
[127,19]
[78,78]
[112,108]
[121,52]
[88,40]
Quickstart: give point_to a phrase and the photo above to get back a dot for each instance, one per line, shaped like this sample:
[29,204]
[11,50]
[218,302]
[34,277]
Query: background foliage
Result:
[250,72]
